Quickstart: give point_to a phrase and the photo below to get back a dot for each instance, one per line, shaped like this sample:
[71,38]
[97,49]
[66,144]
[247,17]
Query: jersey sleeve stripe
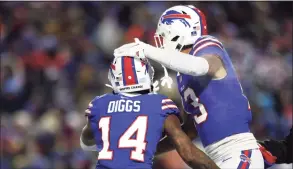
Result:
[168,103]
[171,106]
[202,42]
[206,45]
[166,100]
[205,39]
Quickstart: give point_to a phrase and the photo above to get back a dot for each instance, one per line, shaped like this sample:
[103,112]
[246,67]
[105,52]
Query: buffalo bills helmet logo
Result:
[172,15]
[244,158]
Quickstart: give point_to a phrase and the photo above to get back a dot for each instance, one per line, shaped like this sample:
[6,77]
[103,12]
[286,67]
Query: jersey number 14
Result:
[138,127]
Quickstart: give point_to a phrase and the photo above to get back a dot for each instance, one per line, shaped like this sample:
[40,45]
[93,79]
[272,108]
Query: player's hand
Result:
[134,49]
[166,79]
[268,157]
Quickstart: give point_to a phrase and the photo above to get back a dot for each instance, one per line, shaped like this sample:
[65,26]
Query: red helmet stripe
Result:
[203,21]
[129,75]
[112,66]
[185,16]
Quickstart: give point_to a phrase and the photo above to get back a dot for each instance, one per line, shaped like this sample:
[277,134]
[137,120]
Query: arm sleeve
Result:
[178,61]
[188,63]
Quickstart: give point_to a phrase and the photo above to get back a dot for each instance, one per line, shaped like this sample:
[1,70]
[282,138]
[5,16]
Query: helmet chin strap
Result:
[166,79]
[109,86]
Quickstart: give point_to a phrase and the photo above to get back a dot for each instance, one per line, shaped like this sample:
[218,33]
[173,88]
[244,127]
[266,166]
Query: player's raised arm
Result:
[192,156]
[181,62]
[184,63]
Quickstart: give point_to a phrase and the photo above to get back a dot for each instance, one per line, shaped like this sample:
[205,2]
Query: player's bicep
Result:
[172,122]
[173,130]
[188,126]
[179,139]
[191,155]
[168,110]
[165,143]
[215,63]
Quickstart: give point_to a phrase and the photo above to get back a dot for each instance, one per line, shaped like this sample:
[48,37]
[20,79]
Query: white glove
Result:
[166,79]
[134,49]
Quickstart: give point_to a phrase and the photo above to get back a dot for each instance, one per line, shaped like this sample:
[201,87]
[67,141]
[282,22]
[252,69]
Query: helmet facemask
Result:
[165,40]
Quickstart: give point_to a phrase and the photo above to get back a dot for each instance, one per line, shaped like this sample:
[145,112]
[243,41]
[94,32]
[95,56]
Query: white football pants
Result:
[246,159]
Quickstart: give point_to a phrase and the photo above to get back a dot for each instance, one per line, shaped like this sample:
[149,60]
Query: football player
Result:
[126,125]
[207,82]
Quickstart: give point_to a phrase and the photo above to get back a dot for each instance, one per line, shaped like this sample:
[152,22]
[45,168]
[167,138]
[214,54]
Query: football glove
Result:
[269,159]
[134,49]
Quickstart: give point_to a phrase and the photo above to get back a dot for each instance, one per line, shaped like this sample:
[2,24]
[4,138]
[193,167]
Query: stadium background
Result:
[55,57]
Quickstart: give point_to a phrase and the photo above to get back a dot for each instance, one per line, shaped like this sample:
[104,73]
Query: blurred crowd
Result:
[55,57]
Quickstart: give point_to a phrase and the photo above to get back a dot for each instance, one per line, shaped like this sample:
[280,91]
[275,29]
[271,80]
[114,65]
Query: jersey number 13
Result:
[202,116]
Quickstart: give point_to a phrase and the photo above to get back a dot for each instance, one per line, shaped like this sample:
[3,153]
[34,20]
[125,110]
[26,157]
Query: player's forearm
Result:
[193,156]
[188,127]
[164,146]
[178,61]
[201,160]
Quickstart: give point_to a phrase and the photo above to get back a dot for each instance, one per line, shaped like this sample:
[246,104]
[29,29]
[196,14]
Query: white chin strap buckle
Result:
[166,79]
[109,86]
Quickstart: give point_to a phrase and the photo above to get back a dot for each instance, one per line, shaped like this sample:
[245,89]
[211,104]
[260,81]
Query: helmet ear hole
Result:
[175,38]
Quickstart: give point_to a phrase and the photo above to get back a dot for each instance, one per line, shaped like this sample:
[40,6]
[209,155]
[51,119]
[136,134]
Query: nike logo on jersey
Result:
[226,159]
